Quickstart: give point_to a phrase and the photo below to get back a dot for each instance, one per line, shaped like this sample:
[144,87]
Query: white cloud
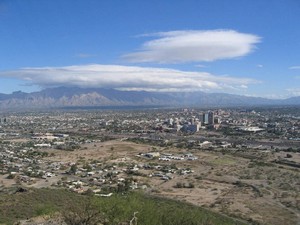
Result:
[259,66]
[128,78]
[294,67]
[293,92]
[194,46]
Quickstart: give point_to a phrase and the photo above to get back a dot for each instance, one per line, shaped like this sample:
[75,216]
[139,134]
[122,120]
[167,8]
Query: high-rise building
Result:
[208,118]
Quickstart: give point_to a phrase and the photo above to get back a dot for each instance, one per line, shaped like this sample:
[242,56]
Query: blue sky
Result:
[235,46]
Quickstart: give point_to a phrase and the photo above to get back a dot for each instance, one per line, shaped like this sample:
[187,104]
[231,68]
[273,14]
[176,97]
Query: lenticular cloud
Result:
[194,46]
[127,78]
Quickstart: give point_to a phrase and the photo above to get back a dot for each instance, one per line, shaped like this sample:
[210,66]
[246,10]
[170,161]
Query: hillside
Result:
[70,208]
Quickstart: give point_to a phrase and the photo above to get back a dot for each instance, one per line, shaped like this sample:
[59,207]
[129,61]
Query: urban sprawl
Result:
[234,161]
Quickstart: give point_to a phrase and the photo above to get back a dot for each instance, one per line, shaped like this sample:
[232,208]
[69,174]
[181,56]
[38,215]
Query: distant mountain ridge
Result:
[75,96]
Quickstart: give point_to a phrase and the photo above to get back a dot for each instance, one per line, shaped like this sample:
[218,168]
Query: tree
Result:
[73,169]
[83,214]
[88,167]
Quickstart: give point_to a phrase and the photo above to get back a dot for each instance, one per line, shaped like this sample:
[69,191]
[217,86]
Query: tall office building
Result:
[208,118]
[205,118]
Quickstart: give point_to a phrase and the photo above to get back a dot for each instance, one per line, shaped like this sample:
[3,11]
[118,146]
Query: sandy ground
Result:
[6,182]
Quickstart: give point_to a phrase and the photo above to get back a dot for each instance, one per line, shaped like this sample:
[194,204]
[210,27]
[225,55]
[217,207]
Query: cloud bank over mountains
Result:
[194,46]
[167,47]
[128,78]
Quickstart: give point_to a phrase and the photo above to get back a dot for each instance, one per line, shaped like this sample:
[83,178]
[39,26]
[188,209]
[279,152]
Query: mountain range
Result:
[82,97]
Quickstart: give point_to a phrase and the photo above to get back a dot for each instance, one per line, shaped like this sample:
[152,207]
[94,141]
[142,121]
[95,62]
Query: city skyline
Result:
[239,47]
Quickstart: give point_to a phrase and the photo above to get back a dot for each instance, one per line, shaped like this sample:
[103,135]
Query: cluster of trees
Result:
[183,185]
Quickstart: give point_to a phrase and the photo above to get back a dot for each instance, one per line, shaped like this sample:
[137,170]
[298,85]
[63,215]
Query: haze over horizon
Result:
[238,47]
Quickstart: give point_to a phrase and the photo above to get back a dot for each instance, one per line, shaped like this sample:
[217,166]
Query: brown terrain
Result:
[258,190]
